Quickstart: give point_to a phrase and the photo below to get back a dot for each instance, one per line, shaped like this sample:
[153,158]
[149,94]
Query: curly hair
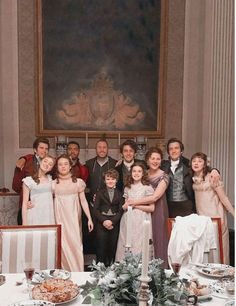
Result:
[153,150]
[65,156]
[129,179]
[129,142]
[113,173]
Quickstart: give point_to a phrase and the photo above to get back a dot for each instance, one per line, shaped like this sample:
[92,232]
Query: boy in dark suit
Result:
[108,211]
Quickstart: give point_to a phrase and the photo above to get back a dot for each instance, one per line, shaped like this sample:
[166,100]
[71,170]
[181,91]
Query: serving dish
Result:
[216,270]
[41,275]
[57,291]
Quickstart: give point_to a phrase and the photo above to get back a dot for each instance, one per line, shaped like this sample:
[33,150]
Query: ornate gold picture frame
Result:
[101,67]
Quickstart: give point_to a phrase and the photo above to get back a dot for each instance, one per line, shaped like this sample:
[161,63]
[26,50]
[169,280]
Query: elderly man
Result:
[26,166]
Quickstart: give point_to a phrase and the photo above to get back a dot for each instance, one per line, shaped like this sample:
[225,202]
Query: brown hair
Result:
[73,177]
[35,175]
[206,168]
[153,150]
[42,140]
[144,180]
[128,142]
[112,173]
[172,140]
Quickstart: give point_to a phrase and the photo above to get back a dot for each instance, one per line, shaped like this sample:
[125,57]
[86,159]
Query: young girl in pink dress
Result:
[69,197]
[137,187]
[211,199]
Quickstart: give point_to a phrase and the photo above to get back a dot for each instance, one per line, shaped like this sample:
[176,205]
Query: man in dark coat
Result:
[180,194]
[128,150]
[97,166]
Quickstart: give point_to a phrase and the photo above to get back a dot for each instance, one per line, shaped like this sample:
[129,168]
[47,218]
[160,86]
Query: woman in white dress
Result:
[38,189]
[137,187]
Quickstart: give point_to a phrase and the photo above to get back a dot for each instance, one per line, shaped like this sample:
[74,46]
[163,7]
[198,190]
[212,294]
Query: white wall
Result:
[208,86]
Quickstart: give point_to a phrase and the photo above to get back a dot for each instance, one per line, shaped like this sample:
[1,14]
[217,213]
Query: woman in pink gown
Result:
[210,197]
[69,197]
[159,181]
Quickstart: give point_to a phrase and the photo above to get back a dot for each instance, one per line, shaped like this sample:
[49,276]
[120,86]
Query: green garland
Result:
[119,284]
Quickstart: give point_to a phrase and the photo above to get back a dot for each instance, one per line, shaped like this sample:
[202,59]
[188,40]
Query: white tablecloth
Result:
[10,293]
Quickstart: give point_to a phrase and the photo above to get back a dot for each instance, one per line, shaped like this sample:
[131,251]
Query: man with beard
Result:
[79,170]
[97,166]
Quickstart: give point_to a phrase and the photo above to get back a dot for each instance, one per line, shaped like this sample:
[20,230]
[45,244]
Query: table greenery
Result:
[119,284]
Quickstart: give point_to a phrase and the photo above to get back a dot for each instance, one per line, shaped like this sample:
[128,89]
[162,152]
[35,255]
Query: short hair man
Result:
[180,194]
[128,150]
[97,166]
[79,170]
[27,165]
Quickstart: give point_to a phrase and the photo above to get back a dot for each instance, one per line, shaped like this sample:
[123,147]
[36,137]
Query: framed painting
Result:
[101,67]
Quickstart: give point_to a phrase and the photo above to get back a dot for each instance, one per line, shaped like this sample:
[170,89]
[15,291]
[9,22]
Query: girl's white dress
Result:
[137,191]
[42,199]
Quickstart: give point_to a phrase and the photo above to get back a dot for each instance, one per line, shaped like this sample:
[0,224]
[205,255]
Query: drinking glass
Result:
[29,272]
[175,266]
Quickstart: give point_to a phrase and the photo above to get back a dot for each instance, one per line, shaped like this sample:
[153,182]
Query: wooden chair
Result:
[39,244]
[218,254]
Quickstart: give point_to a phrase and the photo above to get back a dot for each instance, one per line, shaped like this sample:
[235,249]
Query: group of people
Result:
[94,219]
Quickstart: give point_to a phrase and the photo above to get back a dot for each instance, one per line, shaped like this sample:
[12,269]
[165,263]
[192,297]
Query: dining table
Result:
[11,293]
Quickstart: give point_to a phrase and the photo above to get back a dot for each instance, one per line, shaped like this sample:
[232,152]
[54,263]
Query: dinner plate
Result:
[230,303]
[58,291]
[218,289]
[33,303]
[40,276]
[216,270]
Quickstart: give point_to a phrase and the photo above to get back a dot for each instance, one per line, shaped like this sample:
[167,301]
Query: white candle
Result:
[128,227]
[145,249]
[86,141]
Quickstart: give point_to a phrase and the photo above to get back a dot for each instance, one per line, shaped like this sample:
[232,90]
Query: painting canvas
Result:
[100,67]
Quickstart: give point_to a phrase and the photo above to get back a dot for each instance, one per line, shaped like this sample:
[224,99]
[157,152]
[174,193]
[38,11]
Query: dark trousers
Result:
[89,238]
[19,217]
[106,244]
[181,208]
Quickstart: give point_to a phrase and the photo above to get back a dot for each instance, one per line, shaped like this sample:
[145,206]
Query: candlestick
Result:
[143,294]
[145,250]
[128,227]
[119,139]
[86,141]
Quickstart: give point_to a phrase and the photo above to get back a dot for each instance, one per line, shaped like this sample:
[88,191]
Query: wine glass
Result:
[175,265]
[29,272]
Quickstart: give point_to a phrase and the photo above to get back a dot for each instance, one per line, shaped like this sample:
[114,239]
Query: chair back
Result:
[217,255]
[39,244]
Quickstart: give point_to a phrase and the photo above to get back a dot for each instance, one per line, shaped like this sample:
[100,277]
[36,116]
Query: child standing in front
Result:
[137,187]
[69,197]
[108,211]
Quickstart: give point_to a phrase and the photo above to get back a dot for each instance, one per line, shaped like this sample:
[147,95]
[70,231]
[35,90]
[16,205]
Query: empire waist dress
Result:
[68,214]
[41,197]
